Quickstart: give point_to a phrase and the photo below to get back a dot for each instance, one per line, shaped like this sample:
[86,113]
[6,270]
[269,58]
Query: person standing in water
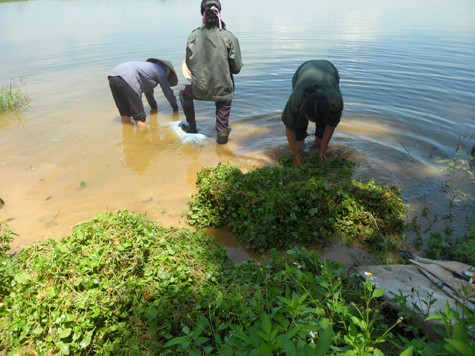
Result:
[129,80]
[315,97]
[213,56]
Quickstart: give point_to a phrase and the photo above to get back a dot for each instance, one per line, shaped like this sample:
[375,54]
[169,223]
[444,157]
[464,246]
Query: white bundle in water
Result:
[198,137]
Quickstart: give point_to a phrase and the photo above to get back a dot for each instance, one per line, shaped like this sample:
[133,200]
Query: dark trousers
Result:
[223,110]
[128,102]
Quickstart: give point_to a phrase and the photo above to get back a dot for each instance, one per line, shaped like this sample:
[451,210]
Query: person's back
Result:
[142,76]
[207,58]
[129,80]
[213,56]
[315,97]
[315,73]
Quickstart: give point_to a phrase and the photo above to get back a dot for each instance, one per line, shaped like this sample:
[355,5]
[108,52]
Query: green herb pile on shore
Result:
[308,205]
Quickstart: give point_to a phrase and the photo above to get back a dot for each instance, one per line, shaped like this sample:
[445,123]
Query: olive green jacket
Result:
[213,57]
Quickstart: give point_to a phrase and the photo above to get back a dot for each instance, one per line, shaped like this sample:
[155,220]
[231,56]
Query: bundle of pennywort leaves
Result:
[305,205]
[123,285]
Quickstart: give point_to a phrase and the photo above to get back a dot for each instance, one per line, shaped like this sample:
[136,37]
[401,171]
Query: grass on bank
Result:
[124,285]
[12,97]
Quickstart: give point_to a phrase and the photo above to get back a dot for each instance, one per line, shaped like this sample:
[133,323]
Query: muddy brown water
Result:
[408,81]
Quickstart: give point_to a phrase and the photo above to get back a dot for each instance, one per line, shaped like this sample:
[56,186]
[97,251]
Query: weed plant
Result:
[312,204]
[12,97]
[445,241]
[445,247]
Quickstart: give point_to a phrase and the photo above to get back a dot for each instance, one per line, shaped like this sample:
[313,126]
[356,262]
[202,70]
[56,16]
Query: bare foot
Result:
[126,120]
[141,125]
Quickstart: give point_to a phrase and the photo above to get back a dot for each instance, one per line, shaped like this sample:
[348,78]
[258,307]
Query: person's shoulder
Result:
[229,36]
[226,32]
[194,35]
[196,30]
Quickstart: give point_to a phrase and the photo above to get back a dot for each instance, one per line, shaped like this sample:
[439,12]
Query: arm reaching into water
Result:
[295,146]
[327,135]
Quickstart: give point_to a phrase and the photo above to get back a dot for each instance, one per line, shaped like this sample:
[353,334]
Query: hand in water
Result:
[297,161]
[322,155]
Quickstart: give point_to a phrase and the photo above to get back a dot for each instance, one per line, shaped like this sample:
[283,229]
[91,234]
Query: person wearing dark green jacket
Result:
[315,97]
[213,57]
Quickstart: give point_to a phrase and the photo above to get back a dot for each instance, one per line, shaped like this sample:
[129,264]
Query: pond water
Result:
[407,77]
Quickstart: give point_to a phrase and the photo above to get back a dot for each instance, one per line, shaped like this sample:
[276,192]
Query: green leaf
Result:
[288,346]
[313,211]
[176,341]
[266,324]
[63,333]
[377,293]
[463,348]
[63,348]
[22,278]
[324,342]
[83,184]
[358,322]
[86,340]
[37,331]
[436,316]
[408,351]
[459,333]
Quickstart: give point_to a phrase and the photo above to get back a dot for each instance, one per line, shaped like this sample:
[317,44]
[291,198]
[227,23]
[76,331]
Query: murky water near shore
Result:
[407,76]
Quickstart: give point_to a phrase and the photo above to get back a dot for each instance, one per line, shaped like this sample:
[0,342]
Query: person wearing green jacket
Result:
[213,57]
[315,97]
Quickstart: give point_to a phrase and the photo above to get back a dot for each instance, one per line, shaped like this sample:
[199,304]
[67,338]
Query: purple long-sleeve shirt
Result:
[143,77]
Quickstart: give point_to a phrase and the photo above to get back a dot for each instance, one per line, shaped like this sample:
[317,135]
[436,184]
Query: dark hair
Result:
[210,3]
[316,105]
[210,18]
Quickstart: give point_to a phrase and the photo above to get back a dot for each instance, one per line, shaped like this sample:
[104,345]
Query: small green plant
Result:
[363,336]
[7,269]
[12,97]
[458,330]
[446,247]
[6,237]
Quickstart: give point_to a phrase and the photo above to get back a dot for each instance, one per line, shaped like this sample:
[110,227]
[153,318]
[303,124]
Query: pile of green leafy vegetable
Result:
[306,205]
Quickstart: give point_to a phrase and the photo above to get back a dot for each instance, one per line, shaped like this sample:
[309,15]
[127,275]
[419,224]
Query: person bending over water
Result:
[129,80]
[315,97]
[213,56]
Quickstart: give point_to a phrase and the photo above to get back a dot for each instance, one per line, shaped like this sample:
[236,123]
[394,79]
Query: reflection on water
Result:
[407,79]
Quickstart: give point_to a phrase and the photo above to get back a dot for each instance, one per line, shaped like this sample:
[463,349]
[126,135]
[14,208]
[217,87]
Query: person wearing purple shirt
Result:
[129,80]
